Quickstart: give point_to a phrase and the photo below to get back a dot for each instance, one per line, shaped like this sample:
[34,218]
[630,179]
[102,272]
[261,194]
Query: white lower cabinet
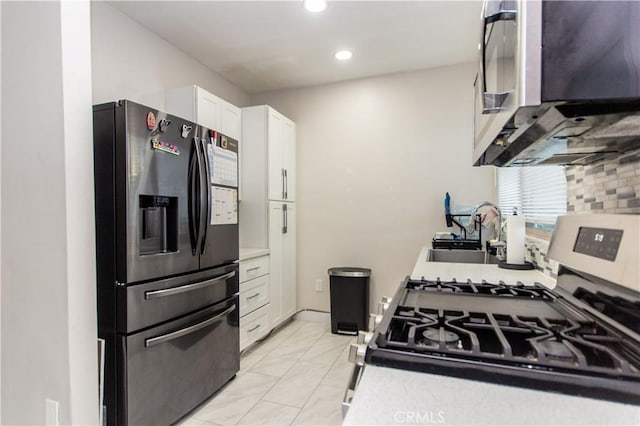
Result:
[254,294]
[282,267]
[254,299]
[254,326]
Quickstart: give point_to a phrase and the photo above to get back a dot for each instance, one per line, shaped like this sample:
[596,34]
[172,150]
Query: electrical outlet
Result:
[52,412]
[318,285]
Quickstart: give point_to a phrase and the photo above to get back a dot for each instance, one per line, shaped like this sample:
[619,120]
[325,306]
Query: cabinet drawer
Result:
[254,326]
[253,268]
[254,294]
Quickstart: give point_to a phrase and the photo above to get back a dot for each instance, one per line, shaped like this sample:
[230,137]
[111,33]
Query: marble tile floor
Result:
[297,376]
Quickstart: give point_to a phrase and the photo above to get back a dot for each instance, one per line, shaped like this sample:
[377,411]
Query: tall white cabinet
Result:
[268,211]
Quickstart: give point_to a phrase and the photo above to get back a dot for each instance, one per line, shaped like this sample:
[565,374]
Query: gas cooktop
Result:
[580,338]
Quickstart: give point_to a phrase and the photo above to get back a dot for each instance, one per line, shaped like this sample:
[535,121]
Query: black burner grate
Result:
[527,342]
[482,288]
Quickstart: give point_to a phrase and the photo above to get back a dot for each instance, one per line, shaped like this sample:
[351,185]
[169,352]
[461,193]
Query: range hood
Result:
[565,134]
[558,83]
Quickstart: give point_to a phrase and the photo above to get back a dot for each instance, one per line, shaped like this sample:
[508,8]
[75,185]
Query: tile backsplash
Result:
[604,187]
[536,253]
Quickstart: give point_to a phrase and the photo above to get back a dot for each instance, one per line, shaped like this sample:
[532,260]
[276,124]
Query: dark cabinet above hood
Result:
[558,82]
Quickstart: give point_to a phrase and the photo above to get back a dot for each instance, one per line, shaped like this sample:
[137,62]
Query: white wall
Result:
[375,158]
[131,62]
[48,261]
[0,216]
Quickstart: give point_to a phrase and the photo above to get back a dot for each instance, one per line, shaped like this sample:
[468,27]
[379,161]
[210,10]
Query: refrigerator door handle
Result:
[283,193]
[194,199]
[188,287]
[207,199]
[188,330]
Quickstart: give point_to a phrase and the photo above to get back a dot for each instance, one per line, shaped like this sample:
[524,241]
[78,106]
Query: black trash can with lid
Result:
[349,289]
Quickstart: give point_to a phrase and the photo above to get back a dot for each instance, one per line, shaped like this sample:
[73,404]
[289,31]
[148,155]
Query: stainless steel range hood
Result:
[558,83]
[563,134]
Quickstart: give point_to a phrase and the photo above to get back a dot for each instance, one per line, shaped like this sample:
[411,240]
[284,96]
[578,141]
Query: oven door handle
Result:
[188,287]
[492,103]
[351,389]
[188,330]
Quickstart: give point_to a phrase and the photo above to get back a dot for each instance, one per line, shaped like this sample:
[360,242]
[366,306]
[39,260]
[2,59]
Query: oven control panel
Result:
[602,245]
[598,242]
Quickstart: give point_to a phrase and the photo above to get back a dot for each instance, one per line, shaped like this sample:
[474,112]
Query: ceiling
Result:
[270,45]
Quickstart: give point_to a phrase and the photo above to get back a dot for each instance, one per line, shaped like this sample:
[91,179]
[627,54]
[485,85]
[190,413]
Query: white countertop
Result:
[247,253]
[388,396]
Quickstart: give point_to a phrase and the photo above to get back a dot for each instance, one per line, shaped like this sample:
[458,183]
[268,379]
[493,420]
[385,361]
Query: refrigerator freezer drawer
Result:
[144,305]
[172,368]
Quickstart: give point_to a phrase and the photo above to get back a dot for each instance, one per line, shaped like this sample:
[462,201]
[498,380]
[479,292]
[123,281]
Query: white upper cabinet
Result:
[206,109]
[195,104]
[274,148]
[281,134]
[289,158]
[271,138]
[230,120]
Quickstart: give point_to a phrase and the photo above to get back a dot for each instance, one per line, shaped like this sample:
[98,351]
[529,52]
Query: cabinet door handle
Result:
[284,218]
[251,330]
[253,272]
[286,185]
[253,297]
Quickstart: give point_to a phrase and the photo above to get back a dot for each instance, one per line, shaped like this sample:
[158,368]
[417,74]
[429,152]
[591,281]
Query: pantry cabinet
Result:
[268,208]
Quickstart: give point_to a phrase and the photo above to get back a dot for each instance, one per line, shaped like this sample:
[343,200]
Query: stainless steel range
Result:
[580,338]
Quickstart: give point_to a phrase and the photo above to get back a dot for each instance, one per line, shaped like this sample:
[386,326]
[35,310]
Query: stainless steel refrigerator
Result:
[167,250]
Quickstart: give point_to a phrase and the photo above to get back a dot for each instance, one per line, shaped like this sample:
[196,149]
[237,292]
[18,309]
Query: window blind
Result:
[537,192]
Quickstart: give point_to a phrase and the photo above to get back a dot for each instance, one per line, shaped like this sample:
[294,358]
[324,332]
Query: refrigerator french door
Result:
[167,274]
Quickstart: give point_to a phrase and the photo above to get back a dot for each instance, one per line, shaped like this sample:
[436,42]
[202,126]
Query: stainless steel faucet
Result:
[499,245]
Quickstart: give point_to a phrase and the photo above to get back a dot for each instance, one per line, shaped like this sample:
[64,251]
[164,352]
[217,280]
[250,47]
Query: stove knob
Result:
[383,305]
[356,353]
[374,321]
[364,337]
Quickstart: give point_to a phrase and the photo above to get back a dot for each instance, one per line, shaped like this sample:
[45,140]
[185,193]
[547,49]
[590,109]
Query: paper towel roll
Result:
[515,239]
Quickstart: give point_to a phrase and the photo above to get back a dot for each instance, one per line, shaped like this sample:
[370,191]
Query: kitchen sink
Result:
[461,256]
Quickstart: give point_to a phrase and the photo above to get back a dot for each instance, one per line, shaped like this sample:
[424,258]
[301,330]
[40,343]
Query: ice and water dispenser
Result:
[158,224]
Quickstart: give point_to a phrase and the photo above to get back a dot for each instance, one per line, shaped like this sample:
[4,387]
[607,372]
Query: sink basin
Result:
[461,256]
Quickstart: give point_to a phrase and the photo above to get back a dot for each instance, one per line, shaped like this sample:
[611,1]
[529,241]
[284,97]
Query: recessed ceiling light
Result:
[315,5]
[344,55]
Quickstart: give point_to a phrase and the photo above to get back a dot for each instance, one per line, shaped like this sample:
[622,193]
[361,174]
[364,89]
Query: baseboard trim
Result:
[312,315]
